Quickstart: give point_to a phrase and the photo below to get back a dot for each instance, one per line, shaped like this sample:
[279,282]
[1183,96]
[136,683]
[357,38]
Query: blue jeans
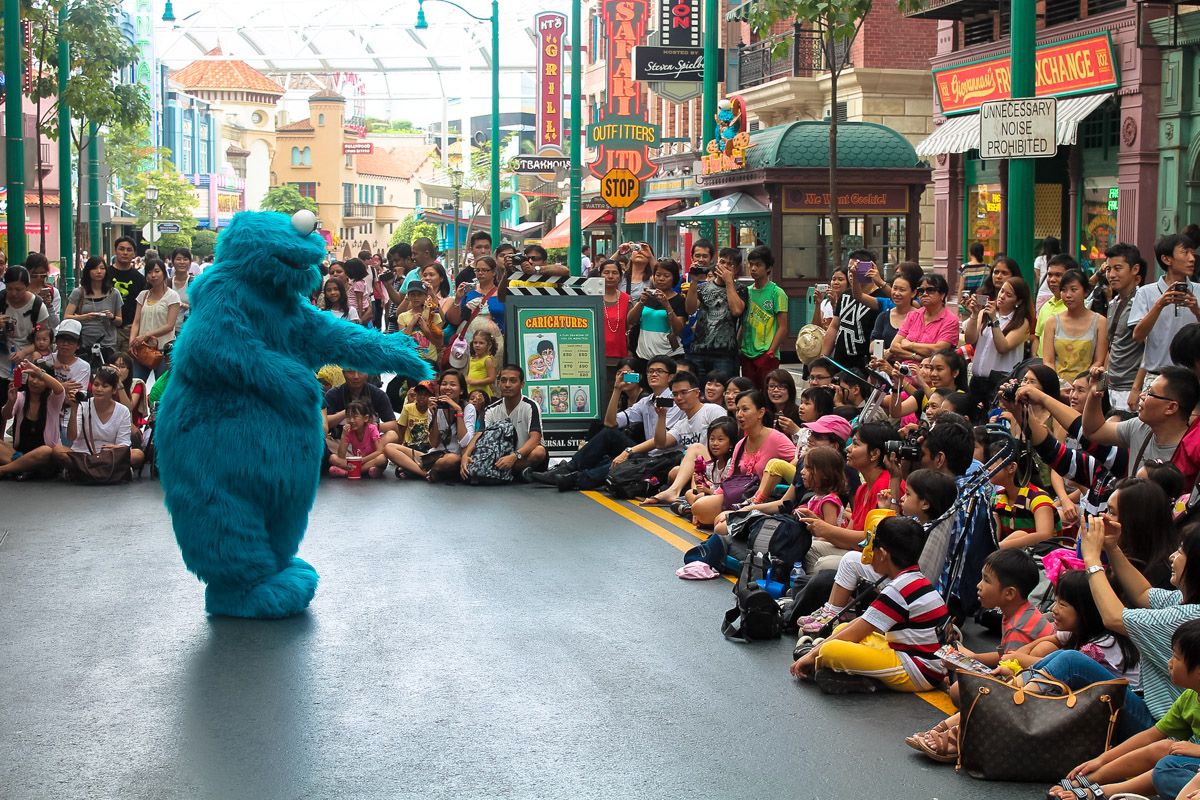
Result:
[1078,671]
[592,461]
[1172,773]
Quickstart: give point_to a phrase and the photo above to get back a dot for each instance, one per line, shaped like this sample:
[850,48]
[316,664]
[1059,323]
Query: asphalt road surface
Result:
[463,643]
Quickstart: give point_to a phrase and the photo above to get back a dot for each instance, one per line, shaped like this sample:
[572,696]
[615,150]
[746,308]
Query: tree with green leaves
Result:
[838,22]
[98,51]
[411,228]
[176,199]
[204,243]
[287,199]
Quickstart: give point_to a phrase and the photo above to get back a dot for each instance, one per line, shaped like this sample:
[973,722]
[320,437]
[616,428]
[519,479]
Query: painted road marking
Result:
[937,698]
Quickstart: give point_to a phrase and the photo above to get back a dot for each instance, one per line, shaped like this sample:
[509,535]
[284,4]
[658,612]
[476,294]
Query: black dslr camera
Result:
[518,259]
[907,449]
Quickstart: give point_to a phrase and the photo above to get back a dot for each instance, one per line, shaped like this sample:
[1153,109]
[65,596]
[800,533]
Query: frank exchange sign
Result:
[1076,66]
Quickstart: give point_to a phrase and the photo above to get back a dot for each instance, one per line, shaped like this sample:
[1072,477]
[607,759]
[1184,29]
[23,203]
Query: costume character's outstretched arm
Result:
[330,340]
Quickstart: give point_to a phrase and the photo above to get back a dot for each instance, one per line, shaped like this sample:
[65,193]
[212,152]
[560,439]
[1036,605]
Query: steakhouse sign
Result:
[621,135]
[1076,66]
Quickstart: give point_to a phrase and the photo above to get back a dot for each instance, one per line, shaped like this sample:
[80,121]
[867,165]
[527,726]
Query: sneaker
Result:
[817,620]
[833,682]
[549,476]
[525,475]
[566,481]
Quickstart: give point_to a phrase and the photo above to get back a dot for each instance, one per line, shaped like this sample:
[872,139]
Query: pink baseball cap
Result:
[831,423]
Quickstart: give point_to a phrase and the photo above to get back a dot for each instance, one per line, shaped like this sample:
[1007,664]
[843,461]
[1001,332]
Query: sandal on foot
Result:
[944,747]
[654,501]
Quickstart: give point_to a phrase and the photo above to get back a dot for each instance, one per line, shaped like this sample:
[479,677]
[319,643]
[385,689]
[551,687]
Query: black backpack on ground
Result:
[497,440]
[637,475]
[775,543]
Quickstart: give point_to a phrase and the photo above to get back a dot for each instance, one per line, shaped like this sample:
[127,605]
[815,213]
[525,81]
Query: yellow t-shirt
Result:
[416,425]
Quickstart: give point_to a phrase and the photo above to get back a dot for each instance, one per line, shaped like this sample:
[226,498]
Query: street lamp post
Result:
[495,20]
[456,181]
[14,133]
[152,199]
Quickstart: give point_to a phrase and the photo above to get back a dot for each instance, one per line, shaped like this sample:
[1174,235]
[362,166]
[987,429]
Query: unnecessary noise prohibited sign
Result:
[1023,128]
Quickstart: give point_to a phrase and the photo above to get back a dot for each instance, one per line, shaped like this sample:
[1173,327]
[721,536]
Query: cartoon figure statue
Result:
[729,123]
[239,432]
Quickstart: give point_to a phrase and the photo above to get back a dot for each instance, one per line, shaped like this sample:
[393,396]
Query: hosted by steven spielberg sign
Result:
[673,64]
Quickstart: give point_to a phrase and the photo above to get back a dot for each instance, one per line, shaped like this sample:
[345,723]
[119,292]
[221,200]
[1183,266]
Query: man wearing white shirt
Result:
[1162,308]
[588,468]
[585,262]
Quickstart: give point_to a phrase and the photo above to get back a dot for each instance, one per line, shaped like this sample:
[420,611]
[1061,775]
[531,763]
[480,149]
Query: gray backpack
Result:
[497,440]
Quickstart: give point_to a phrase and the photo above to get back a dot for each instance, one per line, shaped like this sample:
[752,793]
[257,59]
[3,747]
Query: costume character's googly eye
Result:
[304,221]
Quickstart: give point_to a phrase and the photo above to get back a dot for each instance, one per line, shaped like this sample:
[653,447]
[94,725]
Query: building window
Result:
[186,166]
[320,119]
[379,195]
[258,118]
[295,156]
[307,156]
[306,189]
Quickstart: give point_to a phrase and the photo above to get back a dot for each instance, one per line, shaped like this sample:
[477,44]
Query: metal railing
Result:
[804,58]
[358,210]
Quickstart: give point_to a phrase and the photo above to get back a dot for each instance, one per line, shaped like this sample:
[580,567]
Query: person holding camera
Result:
[998,329]
[483,298]
[659,313]
[1163,419]
[616,442]
[616,315]
[39,284]
[534,266]
[1161,309]
[856,311]
[20,312]
[718,304]
[35,408]
[96,305]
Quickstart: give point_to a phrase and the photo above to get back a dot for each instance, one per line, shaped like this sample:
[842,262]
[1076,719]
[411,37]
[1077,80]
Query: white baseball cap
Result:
[69,327]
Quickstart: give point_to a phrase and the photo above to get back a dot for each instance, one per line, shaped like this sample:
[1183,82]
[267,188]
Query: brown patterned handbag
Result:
[1011,733]
[147,353]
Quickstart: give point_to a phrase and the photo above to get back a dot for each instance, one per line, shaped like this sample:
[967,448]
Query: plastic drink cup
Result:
[355,467]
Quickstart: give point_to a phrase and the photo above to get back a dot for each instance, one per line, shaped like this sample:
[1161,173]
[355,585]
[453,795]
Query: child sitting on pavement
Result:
[360,439]
[893,643]
[1009,576]
[1160,760]
[927,495]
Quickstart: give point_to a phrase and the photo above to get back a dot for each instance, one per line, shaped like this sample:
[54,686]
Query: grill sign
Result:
[550,27]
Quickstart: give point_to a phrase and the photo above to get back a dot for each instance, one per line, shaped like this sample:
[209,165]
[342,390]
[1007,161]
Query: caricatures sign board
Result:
[559,342]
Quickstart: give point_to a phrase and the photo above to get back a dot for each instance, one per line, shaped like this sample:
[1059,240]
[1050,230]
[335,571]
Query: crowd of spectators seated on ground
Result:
[888,443]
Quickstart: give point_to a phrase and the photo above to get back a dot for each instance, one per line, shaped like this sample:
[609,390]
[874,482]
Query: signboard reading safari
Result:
[621,135]
[1076,66]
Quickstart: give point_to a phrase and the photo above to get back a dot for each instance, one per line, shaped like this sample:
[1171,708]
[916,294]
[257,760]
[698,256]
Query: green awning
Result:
[733,206]
[739,13]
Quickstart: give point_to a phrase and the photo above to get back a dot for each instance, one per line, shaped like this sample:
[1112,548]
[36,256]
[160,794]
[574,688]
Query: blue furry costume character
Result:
[239,432]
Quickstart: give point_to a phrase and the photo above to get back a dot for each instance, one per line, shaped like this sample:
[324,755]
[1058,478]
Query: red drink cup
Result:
[355,467]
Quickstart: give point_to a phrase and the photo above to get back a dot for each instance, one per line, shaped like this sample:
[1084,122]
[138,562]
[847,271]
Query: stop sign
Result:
[620,188]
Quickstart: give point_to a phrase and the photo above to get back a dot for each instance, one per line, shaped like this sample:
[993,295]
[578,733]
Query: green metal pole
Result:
[66,237]
[712,22]
[1021,170]
[575,254]
[495,126]
[93,157]
[18,245]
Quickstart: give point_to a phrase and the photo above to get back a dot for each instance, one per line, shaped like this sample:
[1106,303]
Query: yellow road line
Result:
[937,698]
[675,520]
[638,519]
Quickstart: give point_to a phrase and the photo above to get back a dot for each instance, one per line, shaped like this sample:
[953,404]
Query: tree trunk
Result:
[82,234]
[835,220]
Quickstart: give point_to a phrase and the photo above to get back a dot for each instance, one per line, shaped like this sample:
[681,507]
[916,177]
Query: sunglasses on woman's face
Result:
[926,290]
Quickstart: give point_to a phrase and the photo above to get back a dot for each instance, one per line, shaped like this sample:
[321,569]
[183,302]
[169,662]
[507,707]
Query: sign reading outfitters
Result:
[621,134]
[1076,66]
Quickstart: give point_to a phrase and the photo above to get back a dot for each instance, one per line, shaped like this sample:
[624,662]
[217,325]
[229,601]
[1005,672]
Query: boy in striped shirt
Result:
[893,643]
[1009,576]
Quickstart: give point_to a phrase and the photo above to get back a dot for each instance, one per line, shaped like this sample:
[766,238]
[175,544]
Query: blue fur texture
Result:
[239,433]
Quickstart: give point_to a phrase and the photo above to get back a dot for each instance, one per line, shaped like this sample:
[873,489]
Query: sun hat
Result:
[697,571]
[808,343]
[831,423]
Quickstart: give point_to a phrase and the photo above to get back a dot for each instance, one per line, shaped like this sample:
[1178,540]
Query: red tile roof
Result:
[401,162]
[327,94]
[230,74]
[299,126]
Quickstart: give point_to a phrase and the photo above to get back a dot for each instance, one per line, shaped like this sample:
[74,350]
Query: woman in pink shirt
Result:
[760,443]
[927,329]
